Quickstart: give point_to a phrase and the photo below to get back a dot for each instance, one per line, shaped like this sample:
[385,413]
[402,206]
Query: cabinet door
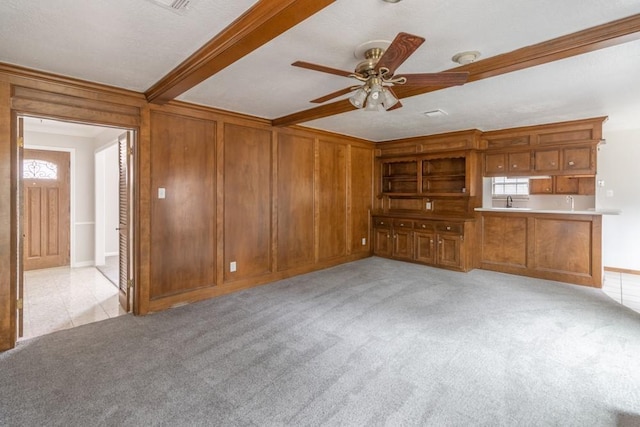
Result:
[581,159]
[547,160]
[587,185]
[382,241]
[566,185]
[425,247]
[494,164]
[519,162]
[450,250]
[541,186]
[403,244]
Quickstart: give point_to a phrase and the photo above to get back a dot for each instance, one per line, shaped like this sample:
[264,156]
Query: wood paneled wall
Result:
[295,196]
[247,202]
[183,223]
[287,202]
[277,201]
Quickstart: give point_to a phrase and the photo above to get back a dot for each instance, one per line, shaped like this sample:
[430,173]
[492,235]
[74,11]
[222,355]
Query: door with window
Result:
[45,179]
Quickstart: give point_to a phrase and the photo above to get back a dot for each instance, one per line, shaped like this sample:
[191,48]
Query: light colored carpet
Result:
[110,269]
[374,342]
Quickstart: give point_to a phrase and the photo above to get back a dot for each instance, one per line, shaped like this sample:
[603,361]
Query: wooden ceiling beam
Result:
[599,37]
[261,23]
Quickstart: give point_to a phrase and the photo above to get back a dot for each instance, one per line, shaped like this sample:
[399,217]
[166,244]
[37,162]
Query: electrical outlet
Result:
[232,266]
[428,206]
[364,241]
[161,193]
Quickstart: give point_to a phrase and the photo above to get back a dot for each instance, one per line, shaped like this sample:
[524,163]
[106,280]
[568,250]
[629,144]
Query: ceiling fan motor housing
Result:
[368,66]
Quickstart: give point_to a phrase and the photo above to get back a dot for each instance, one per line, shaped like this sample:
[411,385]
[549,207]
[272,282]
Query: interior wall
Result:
[618,168]
[245,203]
[83,228]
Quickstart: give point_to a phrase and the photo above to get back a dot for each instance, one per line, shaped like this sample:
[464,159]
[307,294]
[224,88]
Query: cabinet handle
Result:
[381,222]
[553,163]
[499,166]
[448,227]
[571,163]
[401,224]
[424,226]
[440,241]
[514,166]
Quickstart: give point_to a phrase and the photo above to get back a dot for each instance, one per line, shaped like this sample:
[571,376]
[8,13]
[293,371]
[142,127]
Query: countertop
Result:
[553,211]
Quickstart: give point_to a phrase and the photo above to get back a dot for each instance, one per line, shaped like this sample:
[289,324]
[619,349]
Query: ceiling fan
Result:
[377,74]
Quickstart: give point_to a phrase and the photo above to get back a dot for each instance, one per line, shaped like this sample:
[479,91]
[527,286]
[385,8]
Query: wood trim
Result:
[8,227]
[183,298]
[263,22]
[142,209]
[66,85]
[588,40]
[622,270]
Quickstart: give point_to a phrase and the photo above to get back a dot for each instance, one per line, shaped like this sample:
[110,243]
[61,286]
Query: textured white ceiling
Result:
[134,43]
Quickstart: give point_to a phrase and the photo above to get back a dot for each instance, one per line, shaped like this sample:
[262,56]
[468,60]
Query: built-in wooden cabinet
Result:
[564,247]
[568,148]
[575,185]
[431,176]
[440,243]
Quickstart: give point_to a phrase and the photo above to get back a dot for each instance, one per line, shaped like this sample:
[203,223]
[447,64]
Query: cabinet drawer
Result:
[423,225]
[382,222]
[449,228]
[402,223]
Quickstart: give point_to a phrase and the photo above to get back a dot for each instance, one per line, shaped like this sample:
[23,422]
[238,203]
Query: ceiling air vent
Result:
[178,6]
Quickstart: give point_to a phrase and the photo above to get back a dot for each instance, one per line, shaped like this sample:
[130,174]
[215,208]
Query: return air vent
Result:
[178,6]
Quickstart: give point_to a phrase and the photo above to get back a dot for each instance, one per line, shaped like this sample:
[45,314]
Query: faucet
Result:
[509,201]
[570,200]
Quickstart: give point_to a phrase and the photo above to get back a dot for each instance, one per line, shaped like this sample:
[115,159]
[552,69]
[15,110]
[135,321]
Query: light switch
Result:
[364,241]
[161,193]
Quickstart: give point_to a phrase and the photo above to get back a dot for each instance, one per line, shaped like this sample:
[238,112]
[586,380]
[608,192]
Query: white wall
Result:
[619,167]
[82,217]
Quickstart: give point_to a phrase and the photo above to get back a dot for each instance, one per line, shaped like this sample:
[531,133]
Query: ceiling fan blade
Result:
[333,95]
[436,79]
[322,68]
[398,51]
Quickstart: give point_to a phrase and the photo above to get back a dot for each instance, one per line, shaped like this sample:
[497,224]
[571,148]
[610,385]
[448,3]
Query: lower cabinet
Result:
[563,247]
[439,243]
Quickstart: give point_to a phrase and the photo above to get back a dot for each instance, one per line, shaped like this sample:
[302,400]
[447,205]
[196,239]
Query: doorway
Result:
[71,291]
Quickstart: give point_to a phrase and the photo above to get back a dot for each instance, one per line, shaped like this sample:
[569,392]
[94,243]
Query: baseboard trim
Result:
[84,264]
[622,270]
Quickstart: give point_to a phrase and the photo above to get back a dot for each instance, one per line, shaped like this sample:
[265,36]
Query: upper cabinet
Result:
[567,148]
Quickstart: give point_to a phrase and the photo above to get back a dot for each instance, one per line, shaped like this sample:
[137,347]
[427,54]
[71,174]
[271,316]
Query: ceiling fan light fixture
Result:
[371,105]
[358,98]
[388,100]
[467,57]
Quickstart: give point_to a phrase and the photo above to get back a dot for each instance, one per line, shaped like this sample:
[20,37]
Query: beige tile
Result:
[61,298]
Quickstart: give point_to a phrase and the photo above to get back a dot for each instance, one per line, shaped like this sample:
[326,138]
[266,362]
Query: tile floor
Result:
[624,288]
[61,298]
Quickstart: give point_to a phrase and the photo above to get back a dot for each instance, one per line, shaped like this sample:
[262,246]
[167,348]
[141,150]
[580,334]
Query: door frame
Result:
[18,214]
[72,199]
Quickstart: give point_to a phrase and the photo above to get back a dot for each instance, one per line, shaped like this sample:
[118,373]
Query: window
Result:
[39,169]
[503,186]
